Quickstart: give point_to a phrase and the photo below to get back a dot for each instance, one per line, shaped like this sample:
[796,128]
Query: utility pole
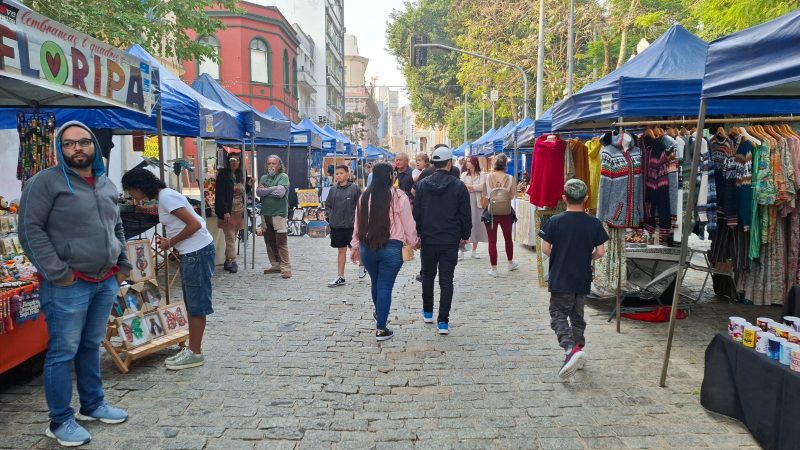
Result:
[571,48]
[465,117]
[540,64]
[487,58]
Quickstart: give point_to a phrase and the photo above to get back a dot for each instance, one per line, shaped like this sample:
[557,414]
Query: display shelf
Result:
[131,355]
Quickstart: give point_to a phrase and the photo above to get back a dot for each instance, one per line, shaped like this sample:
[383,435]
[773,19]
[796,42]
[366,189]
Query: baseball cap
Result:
[442,153]
[575,189]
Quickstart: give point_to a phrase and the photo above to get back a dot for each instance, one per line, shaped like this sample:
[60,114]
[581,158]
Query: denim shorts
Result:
[197,268]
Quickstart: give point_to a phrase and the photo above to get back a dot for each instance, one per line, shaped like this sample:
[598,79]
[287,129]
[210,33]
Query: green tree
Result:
[433,89]
[455,124]
[157,25]
[716,18]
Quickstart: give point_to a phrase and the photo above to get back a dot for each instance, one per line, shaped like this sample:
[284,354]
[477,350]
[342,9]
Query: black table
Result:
[760,392]
[136,223]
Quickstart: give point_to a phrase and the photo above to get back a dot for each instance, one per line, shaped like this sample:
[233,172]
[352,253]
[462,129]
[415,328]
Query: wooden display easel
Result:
[132,354]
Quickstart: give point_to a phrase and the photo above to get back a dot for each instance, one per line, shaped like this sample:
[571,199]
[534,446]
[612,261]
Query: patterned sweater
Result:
[621,188]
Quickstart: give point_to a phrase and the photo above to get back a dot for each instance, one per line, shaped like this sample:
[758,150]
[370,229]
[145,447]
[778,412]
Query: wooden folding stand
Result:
[132,354]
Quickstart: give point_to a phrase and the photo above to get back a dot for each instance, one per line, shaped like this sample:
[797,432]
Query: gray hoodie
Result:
[66,224]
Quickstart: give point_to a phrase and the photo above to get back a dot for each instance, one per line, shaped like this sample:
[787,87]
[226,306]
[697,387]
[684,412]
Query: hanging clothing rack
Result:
[721,120]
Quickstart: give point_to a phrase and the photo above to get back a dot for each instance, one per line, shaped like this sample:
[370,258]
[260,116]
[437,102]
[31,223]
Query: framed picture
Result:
[132,330]
[296,228]
[154,325]
[151,294]
[321,214]
[307,197]
[310,214]
[174,317]
[542,261]
[118,307]
[317,229]
[132,300]
[141,256]
[297,214]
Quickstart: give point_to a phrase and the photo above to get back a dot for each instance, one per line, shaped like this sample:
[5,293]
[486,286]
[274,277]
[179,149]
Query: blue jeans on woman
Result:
[383,266]
[76,317]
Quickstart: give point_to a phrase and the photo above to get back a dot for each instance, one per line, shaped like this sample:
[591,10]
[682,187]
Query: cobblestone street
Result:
[293,364]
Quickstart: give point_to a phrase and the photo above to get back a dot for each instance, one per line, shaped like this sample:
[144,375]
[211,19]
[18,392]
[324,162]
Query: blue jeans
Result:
[197,269]
[76,317]
[383,266]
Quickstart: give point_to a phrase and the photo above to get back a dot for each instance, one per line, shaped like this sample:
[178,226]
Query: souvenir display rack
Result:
[142,322]
[36,151]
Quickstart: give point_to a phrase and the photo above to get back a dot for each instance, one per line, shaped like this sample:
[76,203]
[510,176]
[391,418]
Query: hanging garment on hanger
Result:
[744,176]
[580,159]
[569,163]
[621,196]
[724,157]
[674,175]
[547,172]
[594,147]
[706,205]
[657,212]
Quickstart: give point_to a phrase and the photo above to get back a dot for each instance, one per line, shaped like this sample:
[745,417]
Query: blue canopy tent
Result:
[475,146]
[461,151]
[348,146]
[758,64]
[494,143]
[510,138]
[665,80]
[329,142]
[372,152]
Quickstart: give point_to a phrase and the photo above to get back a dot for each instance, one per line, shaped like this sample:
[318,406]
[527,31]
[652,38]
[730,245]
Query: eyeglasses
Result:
[83,143]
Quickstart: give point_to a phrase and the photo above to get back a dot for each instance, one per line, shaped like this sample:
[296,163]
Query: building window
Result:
[294,77]
[206,65]
[260,61]
[286,80]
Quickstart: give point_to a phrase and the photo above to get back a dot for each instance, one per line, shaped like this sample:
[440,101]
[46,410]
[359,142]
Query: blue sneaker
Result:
[443,328]
[104,413]
[427,317]
[69,434]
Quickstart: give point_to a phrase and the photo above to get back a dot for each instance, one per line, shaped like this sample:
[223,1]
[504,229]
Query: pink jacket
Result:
[402,225]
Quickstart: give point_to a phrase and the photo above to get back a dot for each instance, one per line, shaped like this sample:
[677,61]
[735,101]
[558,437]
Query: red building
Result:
[258,57]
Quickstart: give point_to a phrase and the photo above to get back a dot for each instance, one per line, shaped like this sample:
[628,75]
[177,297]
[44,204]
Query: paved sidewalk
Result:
[293,364]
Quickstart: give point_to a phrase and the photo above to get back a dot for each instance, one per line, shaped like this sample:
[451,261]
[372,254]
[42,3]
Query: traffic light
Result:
[418,55]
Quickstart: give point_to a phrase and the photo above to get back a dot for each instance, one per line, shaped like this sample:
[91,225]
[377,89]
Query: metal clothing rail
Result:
[722,120]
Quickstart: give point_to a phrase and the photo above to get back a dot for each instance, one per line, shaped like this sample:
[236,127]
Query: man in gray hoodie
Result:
[71,230]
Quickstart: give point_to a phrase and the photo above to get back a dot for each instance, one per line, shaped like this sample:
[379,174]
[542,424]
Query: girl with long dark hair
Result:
[229,205]
[384,222]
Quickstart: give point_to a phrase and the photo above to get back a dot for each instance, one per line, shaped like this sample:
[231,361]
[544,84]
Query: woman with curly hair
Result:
[186,231]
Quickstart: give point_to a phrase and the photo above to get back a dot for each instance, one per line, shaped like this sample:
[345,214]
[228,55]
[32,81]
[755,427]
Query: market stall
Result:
[37,74]
[752,65]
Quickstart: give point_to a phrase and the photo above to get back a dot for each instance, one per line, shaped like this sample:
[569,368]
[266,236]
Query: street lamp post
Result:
[487,58]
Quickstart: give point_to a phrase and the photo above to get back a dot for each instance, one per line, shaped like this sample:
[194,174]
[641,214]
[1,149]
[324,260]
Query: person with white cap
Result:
[444,223]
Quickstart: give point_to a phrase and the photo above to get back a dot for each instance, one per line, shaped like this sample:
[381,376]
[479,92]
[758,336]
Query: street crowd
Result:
[71,228]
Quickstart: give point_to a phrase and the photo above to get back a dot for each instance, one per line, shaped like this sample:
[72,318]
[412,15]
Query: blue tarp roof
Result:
[256,124]
[510,137]
[348,146]
[544,124]
[372,152]
[760,61]
[276,113]
[305,137]
[475,146]
[494,143]
[461,150]
[328,142]
[665,80]
[184,111]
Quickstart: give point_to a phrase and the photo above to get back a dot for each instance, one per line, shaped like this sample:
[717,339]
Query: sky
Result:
[366,19]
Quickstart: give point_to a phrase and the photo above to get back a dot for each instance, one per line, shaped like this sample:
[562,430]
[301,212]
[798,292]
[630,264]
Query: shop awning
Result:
[329,143]
[510,137]
[48,64]
[348,146]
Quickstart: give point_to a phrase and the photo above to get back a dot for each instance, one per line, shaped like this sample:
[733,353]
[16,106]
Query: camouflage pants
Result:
[566,319]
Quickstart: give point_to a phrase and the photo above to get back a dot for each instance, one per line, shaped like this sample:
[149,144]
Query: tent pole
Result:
[160,133]
[252,214]
[687,226]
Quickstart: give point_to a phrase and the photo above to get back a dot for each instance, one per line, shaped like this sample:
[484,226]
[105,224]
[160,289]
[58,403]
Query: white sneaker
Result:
[475,255]
[492,273]
[512,266]
[461,255]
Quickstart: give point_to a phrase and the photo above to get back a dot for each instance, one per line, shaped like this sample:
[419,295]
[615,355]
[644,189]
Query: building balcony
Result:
[306,82]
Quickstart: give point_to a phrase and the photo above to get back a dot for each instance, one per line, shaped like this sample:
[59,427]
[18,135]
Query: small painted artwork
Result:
[118,307]
[307,197]
[153,323]
[296,228]
[174,317]
[151,295]
[141,255]
[321,214]
[132,330]
[317,228]
[133,301]
[310,214]
[297,214]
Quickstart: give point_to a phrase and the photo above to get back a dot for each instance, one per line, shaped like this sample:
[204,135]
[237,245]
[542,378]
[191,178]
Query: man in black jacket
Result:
[444,221]
[403,174]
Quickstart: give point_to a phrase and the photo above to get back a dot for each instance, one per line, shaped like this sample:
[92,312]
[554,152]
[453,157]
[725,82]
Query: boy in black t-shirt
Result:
[572,240]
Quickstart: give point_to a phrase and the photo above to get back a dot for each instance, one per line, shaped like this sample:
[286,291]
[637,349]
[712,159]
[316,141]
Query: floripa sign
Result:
[45,53]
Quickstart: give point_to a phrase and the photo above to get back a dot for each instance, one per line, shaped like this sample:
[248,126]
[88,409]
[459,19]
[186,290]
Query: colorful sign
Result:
[48,54]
